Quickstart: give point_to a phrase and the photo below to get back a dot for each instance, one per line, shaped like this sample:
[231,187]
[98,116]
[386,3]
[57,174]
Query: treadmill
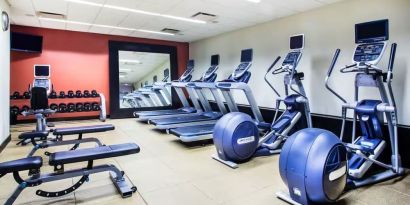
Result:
[237,80]
[186,107]
[208,118]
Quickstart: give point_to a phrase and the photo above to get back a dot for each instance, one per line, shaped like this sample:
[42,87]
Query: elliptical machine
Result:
[237,136]
[316,165]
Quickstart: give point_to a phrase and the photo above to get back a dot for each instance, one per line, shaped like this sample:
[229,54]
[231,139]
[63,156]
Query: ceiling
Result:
[134,66]
[231,15]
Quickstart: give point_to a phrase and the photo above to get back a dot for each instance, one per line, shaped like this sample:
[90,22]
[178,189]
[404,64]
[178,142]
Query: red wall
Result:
[79,61]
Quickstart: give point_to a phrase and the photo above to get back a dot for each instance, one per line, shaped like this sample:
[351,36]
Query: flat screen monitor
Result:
[373,31]
[41,71]
[154,79]
[246,55]
[191,64]
[297,42]
[26,43]
[166,72]
[215,60]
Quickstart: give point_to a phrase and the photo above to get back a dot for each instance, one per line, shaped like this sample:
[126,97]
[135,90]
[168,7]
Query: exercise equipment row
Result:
[61,108]
[53,94]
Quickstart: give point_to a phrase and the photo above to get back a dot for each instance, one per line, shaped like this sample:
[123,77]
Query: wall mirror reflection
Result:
[142,77]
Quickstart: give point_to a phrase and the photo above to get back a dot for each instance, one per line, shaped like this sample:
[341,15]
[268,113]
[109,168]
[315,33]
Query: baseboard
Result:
[5,143]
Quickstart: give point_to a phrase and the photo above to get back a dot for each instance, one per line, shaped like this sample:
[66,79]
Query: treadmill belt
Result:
[162,112]
[193,130]
[181,119]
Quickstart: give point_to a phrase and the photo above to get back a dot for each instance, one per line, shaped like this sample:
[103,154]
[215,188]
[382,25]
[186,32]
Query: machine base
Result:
[230,164]
[285,197]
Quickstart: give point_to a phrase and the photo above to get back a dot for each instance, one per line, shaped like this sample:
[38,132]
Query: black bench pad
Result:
[30,135]
[83,129]
[21,165]
[83,155]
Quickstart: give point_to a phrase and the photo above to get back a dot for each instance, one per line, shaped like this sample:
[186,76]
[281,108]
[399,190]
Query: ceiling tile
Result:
[96,29]
[23,5]
[52,24]
[110,17]
[159,6]
[82,13]
[120,32]
[77,27]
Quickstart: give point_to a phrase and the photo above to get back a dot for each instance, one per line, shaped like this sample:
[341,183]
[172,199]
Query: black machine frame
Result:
[114,47]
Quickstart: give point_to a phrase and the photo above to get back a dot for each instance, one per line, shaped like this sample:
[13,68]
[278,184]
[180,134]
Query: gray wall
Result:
[4,78]
[325,29]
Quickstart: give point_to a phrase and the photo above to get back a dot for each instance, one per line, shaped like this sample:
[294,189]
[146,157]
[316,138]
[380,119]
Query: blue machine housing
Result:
[313,164]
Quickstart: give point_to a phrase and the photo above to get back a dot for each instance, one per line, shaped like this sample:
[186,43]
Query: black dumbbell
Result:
[16,95]
[62,108]
[94,94]
[86,94]
[62,94]
[79,107]
[78,94]
[95,106]
[26,95]
[54,106]
[53,94]
[70,107]
[70,94]
[25,108]
[14,110]
[87,107]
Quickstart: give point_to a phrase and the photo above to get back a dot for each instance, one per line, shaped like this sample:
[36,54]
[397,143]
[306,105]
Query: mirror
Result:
[139,76]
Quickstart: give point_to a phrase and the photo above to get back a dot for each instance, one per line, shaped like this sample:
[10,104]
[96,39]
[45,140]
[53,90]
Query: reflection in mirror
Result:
[138,74]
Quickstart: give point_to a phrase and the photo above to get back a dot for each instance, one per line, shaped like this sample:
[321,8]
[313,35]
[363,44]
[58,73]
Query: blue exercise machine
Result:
[316,165]
[238,137]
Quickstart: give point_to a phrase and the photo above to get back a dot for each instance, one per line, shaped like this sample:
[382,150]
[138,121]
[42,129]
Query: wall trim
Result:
[5,143]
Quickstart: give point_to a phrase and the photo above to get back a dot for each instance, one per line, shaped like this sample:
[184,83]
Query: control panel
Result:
[211,70]
[241,69]
[369,53]
[292,59]
[44,83]
[187,73]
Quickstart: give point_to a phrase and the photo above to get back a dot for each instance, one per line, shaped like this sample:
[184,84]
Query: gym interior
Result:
[205,102]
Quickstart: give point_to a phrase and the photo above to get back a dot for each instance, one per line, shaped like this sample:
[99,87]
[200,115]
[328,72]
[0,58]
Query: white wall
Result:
[158,71]
[4,78]
[325,29]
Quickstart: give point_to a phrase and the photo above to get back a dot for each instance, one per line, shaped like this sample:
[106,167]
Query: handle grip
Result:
[392,56]
[332,65]
[273,64]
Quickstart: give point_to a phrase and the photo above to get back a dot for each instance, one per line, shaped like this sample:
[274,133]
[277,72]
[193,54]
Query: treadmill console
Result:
[369,53]
[188,71]
[241,69]
[42,77]
[211,70]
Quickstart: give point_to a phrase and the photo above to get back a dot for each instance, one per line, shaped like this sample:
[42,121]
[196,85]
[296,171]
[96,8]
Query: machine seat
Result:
[83,129]
[33,135]
[83,155]
[28,163]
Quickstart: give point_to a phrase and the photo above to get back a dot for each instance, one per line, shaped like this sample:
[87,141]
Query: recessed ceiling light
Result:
[136,11]
[254,1]
[105,26]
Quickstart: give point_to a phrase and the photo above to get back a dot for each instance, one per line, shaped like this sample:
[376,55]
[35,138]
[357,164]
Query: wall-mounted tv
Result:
[26,43]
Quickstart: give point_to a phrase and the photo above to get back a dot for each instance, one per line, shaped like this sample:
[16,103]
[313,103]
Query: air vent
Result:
[170,30]
[50,15]
[205,17]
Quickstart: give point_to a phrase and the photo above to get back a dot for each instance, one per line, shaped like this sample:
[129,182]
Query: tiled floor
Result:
[168,172]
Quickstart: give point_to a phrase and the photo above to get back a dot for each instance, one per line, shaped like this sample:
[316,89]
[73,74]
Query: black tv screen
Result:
[373,31]
[26,42]
[296,42]
[215,60]
[246,55]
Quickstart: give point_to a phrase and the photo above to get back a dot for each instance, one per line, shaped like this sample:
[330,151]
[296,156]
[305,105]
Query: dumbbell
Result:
[53,94]
[26,95]
[62,108]
[78,94]
[87,107]
[79,107]
[95,106]
[14,110]
[62,94]
[54,106]
[25,108]
[70,107]
[86,94]
[94,94]
[70,94]
[16,95]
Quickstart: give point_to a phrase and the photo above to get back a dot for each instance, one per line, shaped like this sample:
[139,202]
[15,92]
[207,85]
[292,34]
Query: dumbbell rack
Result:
[85,114]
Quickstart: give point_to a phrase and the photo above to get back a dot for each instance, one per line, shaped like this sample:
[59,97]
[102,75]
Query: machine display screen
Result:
[190,64]
[372,31]
[215,60]
[166,72]
[41,71]
[246,55]
[296,42]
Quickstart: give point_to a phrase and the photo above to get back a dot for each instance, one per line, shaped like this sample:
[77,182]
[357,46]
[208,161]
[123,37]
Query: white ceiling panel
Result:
[231,15]
[51,6]
[83,13]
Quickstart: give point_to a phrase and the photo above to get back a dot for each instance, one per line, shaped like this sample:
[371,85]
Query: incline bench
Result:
[59,133]
[59,159]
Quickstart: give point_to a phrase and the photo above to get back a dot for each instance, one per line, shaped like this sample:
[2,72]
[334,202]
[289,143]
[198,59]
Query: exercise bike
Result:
[237,136]
[318,166]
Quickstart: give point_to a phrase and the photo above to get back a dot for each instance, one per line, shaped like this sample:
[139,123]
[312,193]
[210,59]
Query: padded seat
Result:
[33,135]
[21,165]
[83,155]
[83,129]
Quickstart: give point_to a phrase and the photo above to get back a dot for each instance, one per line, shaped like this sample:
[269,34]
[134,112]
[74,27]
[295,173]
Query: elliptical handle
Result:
[332,65]
[273,64]
[392,56]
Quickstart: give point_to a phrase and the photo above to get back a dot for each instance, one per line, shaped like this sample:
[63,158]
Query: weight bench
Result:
[40,140]
[59,159]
